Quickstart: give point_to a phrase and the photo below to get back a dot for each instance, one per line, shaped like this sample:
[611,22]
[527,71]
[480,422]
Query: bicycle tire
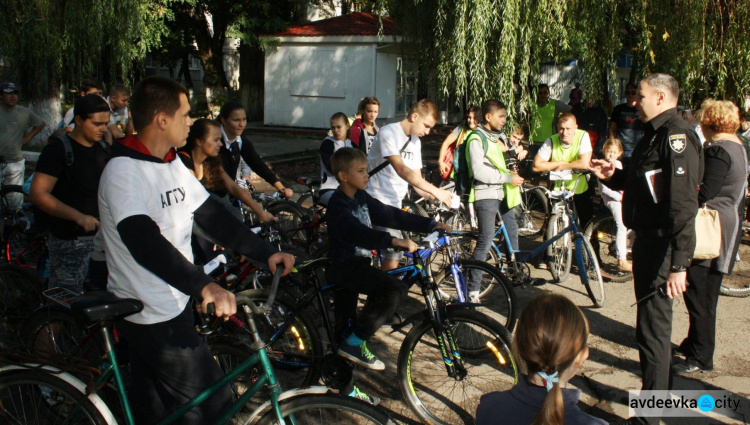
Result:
[559,254]
[305,201]
[296,357]
[588,270]
[325,409]
[439,399]
[19,290]
[493,281]
[31,396]
[534,214]
[601,232]
[54,331]
[413,208]
[291,217]
[465,245]
[735,292]
[229,355]
[24,247]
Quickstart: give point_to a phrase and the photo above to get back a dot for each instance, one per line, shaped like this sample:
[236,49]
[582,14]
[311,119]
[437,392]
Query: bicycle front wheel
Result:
[38,397]
[602,234]
[534,214]
[327,409]
[588,270]
[559,253]
[483,363]
[494,289]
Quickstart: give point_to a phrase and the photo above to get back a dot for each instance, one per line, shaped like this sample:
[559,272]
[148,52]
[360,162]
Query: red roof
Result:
[356,23]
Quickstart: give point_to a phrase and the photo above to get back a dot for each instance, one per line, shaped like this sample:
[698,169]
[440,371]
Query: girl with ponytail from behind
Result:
[550,345]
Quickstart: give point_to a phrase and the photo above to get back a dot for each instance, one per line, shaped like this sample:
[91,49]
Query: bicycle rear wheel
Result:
[560,252]
[55,332]
[327,409]
[39,397]
[588,270]
[484,362]
[534,213]
[602,234]
[291,217]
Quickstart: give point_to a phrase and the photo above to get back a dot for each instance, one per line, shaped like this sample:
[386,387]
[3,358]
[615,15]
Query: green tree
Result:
[476,49]
[47,42]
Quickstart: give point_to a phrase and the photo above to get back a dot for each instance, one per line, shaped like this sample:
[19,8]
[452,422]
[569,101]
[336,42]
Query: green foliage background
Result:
[495,48]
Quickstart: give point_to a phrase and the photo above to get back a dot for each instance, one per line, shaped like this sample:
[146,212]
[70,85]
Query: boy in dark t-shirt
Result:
[351,214]
[65,186]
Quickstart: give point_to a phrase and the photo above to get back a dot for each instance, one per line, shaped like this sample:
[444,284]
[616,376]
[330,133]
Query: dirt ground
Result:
[613,367]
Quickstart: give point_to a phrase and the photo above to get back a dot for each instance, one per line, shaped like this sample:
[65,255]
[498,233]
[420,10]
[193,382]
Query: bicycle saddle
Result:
[309,181]
[105,306]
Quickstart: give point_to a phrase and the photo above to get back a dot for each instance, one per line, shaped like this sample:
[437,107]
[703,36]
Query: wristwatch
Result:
[677,269]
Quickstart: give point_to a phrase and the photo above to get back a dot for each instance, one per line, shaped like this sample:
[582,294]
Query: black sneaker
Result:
[357,393]
[360,355]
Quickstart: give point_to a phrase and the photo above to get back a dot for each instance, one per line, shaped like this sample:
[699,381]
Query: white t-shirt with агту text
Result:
[169,194]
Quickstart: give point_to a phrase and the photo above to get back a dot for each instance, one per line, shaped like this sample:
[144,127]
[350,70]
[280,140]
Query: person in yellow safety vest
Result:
[569,149]
[492,182]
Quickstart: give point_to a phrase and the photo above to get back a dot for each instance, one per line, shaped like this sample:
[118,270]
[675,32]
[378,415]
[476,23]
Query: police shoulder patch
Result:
[678,142]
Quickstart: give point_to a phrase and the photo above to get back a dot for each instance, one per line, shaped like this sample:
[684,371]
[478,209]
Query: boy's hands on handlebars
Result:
[407,245]
[281,257]
[223,300]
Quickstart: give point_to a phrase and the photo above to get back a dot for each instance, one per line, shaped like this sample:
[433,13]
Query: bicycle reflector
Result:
[299,339]
[499,356]
[600,236]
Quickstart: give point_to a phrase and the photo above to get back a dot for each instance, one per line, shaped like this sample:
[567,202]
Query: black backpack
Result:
[42,220]
[461,172]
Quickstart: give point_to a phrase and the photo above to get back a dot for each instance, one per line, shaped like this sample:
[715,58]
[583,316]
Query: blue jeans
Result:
[486,210]
[511,222]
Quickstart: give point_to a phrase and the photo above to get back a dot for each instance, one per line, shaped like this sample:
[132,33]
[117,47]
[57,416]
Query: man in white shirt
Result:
[147,205]
[569,149]
[399,145]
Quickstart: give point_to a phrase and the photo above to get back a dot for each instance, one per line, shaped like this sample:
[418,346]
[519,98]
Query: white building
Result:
[323,67]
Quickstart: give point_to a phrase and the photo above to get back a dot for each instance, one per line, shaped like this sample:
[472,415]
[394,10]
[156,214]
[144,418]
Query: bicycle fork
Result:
[444,336]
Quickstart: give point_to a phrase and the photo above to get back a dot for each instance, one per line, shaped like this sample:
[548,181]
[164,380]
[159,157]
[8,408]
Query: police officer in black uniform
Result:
[660,205]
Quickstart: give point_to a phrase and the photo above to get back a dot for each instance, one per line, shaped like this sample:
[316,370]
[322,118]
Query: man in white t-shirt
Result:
[390,184]
[569,149]
[147,204]
[120,124]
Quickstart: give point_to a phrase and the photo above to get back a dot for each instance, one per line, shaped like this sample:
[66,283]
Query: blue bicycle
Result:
[450,356]
[563,232]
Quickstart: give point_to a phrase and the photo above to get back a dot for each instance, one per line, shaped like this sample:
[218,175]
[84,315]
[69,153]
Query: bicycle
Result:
[562,228]
[28,390]
[467,343]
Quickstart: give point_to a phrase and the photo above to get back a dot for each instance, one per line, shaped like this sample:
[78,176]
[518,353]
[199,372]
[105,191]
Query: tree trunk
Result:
[252,72]
[48,110]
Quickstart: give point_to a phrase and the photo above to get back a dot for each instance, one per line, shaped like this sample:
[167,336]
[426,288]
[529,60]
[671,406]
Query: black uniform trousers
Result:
[652,257]
[701,298]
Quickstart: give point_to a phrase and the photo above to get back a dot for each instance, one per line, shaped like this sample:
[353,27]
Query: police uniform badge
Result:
[678,142]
